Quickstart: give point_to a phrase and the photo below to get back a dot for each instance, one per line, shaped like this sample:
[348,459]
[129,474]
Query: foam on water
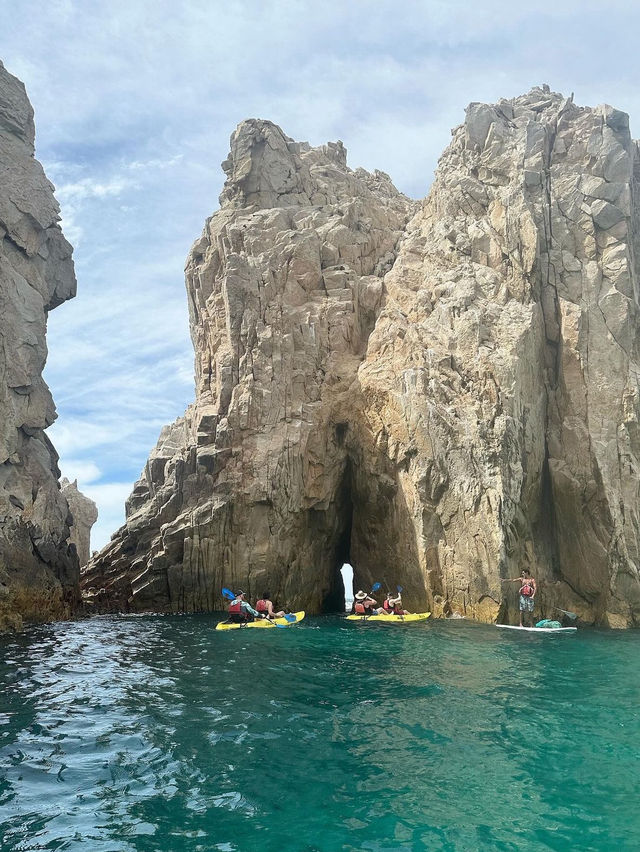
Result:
[157,733]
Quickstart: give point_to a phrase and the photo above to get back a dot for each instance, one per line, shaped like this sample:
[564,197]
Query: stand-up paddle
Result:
[571,615]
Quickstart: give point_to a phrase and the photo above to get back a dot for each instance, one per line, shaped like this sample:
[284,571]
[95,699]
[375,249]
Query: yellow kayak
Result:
[263,623]
[391,619]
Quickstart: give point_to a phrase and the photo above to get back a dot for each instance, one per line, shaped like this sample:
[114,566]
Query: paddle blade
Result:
[571,615]
[227,593]
[290,617]
[376,586]
[399,588]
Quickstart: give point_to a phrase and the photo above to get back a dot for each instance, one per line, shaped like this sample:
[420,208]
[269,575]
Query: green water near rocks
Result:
[157,733]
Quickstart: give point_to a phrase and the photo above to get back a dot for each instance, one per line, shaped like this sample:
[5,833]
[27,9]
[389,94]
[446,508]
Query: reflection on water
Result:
[124,733]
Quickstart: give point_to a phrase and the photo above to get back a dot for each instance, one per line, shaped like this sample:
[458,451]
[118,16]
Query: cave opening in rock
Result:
[347,582]
[335,596]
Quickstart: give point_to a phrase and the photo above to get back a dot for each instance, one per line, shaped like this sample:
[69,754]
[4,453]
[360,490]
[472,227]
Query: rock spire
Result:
[38,571]
[439,393]
[84,513]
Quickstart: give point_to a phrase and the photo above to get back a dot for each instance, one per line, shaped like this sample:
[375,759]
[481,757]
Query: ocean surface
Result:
[157,733]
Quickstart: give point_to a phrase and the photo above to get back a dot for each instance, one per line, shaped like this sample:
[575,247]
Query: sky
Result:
[134,105]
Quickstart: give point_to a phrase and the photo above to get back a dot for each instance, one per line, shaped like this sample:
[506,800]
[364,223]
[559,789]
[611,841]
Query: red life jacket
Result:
[386,606]
[527,589]
[262,606]
[235,608]
[360,608]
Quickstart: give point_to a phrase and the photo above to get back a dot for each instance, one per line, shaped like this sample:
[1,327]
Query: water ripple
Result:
[125,734]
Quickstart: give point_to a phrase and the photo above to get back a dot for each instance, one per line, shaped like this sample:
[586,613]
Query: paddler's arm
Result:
[249,608]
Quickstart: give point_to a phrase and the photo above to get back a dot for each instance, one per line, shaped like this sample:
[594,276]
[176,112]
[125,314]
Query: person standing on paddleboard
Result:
[527,592]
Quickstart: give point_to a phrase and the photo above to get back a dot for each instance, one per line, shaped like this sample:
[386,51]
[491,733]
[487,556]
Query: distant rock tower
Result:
[85,514]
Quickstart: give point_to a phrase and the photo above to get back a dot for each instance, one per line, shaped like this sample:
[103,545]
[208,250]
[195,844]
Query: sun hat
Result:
[360,596]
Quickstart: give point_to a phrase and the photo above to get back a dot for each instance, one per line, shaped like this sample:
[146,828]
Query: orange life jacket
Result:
[235,608]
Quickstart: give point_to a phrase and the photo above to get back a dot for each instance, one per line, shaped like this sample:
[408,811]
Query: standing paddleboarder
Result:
[527,592]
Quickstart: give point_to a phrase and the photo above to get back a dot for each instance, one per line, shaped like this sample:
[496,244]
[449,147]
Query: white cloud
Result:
[84,472]
[109,498]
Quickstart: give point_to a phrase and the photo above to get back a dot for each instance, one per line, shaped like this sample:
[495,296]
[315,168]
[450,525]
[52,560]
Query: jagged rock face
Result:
[38,571]
[84,513]
[440,402]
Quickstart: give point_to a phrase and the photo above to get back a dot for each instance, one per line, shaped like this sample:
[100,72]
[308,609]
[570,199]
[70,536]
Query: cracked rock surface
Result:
[440,393]
[38,570]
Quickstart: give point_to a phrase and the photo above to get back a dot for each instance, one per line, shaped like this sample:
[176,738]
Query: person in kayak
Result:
[265,606]
[241,611]
[364,604]
[527,593]
[393,605]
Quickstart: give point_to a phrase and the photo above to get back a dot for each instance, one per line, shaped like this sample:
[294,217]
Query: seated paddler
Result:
[241,610]
[364,604]
[265,607]
[393,605]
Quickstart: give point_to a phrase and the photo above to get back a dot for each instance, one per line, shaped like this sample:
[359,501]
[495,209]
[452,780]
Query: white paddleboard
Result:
[538,629]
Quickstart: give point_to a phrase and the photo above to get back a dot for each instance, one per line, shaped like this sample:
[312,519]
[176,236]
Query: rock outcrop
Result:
[439,394]
[39,572]
[84,513]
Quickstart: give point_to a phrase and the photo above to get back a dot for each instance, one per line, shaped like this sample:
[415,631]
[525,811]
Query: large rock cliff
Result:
[440,393]
[38,570]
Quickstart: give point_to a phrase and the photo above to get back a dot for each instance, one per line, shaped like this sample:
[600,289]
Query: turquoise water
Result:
[157,733]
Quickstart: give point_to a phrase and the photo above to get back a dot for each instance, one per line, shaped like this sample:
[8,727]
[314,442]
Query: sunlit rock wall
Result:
[439,393]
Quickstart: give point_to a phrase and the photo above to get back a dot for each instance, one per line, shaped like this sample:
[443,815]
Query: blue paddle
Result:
[399,588]
[228,594]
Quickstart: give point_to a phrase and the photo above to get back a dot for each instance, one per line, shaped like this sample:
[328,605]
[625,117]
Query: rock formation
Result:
[84,513]
[38,570]
[439,393]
